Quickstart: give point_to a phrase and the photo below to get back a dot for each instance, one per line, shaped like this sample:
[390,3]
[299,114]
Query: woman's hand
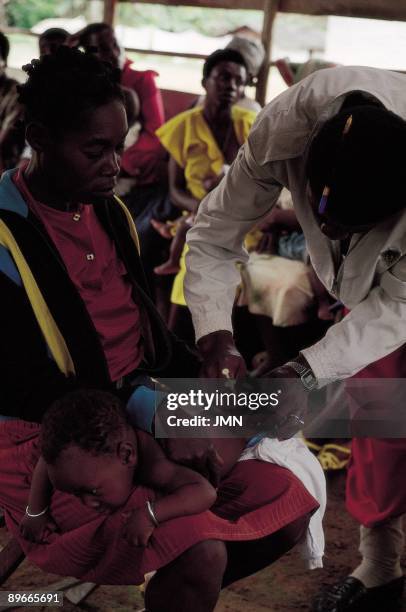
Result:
[34,529]
[138,527]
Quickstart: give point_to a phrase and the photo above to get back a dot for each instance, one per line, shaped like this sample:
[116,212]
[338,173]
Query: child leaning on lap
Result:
[90,449]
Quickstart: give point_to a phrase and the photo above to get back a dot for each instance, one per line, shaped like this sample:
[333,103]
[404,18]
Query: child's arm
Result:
[187,492]
[37,516]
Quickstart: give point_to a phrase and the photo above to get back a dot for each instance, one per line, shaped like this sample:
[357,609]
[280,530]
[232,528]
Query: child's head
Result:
[75,123]
[90,448]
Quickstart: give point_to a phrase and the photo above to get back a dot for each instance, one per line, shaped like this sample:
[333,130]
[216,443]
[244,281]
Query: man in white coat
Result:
[337,141]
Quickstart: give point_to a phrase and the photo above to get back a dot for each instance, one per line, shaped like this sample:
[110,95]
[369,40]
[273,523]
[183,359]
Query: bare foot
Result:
[167,268]
[164,229]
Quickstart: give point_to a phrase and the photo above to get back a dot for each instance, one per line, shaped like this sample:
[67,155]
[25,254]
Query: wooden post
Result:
[270,10]
[108,12]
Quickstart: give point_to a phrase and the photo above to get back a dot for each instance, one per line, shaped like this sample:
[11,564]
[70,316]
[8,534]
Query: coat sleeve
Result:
[246,194]
[373,329]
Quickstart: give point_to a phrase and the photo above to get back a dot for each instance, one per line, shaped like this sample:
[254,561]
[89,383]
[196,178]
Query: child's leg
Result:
[171,266]
[163,228]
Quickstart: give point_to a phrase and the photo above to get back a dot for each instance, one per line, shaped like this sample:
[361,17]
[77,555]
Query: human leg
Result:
[190,582]
[246,558]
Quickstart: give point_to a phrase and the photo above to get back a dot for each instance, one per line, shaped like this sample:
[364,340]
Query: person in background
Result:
[144,159]
[50,40]
[11,131]
[203,142]
[253,53]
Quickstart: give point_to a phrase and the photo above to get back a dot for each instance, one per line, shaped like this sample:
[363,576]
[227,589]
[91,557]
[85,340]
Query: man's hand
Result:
[290,416]
[138,527]
[199,454]
[221,358]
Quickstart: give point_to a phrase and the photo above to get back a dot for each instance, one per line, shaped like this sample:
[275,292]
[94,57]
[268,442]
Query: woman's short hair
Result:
[62,86]
[362,165]
[222,55]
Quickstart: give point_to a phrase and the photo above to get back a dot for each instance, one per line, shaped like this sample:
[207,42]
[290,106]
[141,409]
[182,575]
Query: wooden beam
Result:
[226,4]
[109,11]
[270,10]
[375,9]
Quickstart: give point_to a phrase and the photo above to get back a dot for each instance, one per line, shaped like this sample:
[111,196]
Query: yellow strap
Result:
[131,224]
[49,328]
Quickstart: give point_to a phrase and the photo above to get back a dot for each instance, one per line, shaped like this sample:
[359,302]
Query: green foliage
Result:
[212,22]
[26,13]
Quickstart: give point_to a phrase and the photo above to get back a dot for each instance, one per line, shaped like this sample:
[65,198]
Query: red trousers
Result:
[376,490]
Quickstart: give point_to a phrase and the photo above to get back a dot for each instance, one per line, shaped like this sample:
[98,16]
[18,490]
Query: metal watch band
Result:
[306,375]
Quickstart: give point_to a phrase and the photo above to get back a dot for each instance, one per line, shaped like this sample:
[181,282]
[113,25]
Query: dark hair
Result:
[364,168]
[4,46]
[92,420]
[92,28]
[222,55]
[64,85]
[54,34]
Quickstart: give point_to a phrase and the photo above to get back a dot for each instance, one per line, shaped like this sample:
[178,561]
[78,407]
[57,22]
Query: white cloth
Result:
[277,287]
[368,282]
[294,455]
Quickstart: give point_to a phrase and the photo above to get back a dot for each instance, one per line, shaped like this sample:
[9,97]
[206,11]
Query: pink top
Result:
[146,158]
[98,274]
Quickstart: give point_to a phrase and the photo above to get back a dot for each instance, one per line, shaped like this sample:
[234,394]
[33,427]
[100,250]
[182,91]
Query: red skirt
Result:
[255,500]
[376,489]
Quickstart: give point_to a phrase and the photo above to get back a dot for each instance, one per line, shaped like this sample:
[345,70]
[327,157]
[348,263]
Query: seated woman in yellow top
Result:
[205,140]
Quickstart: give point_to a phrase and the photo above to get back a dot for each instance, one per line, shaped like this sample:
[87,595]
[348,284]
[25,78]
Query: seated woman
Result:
[106,505]
[76,313]
[204,141]
[144,159]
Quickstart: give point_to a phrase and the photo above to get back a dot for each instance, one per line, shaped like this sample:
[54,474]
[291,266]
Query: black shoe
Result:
[350,595]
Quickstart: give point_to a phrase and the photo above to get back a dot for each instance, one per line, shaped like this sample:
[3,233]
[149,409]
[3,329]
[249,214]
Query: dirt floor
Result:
[285,587]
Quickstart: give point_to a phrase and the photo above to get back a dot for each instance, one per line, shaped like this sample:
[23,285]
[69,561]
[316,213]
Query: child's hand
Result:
[34,529]
[139,527]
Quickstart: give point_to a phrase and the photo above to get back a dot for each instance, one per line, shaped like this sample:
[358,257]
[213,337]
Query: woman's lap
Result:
[90,545]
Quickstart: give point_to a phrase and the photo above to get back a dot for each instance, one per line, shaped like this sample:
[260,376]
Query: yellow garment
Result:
[50,330]
[189,140]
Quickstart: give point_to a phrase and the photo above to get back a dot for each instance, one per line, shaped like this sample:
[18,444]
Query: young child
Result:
[89,449]
[177,230]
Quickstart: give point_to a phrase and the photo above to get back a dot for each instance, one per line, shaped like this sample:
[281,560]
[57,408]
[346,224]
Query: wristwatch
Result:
[305,374]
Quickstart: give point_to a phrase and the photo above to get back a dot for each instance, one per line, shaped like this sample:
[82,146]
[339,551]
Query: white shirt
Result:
[372,279]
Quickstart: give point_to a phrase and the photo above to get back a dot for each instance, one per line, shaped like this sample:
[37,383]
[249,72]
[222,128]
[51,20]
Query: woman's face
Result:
[105,46]
[225,84]
[101,482]
[82,164]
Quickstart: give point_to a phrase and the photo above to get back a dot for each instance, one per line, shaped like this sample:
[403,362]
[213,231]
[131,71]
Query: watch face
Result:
[309,380]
